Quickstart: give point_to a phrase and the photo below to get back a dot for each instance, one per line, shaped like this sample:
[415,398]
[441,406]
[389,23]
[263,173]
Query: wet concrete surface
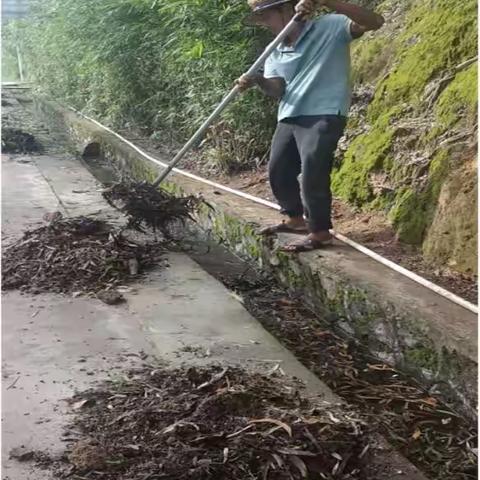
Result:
[26,197]
[190,316]
[51,347]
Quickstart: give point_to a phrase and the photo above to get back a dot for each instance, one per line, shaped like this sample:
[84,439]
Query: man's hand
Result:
[273,87]
[307,8]
[246,81]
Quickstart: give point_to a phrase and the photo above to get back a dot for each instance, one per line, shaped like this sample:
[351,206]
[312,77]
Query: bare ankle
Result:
[321,235]
[296,221]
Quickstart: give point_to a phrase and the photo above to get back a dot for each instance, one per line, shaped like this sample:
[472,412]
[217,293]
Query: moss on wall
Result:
[458,102]
[438,35]
[413,211]
[417,81]
[367,154]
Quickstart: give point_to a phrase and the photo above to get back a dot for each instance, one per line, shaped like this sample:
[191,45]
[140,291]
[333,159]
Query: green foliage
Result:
[163,65]
[10,41]
[160,64]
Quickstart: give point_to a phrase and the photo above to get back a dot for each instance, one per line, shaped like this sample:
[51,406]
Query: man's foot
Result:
[314,241]
[292,225]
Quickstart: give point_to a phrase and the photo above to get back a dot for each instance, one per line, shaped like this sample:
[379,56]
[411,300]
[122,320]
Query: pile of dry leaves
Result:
[212,424]
[17,141]
[147,206]
[74,255]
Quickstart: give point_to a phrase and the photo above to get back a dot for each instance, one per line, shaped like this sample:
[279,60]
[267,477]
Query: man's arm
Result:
[363,19]
[273,87]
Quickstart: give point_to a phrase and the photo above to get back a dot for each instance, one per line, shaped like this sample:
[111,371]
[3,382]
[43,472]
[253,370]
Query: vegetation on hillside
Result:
[162,65]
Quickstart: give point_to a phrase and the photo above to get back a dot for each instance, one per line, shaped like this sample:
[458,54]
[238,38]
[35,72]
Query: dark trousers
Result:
[305,145]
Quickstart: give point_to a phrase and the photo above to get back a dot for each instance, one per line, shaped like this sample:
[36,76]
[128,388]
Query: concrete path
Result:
[53,345]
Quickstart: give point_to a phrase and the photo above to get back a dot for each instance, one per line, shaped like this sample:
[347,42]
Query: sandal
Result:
[305,245]
[282,228]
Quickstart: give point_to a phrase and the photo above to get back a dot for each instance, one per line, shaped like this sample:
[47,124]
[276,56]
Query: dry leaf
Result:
[332,418]
[276,422]
[430,401]
[278,459]
[381,367]
[417,434]
[83,403]
[364,451]
[213,380]
[300,465]
[293,451]
[286,302]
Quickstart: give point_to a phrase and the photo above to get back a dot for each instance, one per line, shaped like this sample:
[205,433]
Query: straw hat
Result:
[260,5]
[257,5]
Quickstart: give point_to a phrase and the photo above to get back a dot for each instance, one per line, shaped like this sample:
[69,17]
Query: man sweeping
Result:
[310,73]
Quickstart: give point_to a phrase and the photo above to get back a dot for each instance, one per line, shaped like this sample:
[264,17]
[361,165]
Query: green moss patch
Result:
[458,102]
[413,211]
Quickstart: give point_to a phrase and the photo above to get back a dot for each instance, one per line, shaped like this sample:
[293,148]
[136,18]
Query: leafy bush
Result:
[10,67]
[160,64]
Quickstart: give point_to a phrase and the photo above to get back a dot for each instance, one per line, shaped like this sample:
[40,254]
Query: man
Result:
[310,74]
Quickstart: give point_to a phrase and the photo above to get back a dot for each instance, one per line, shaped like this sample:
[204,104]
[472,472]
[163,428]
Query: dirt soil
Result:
[212,423]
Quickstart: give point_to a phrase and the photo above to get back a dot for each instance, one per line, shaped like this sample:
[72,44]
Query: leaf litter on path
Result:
[213,423]
[84,255]
[18,141]
[440,441]
[77,255]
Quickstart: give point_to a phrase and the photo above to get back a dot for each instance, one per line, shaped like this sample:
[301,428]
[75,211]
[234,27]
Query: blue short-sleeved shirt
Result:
[316,69]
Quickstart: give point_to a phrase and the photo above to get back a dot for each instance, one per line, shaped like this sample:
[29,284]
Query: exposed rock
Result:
[452,237]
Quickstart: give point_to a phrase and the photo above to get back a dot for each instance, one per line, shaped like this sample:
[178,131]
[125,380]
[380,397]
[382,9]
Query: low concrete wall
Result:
[401,322]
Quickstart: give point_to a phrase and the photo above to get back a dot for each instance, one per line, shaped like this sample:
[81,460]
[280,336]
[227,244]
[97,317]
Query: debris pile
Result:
[74,255]
[17,141]
[147,206]
[210,423]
